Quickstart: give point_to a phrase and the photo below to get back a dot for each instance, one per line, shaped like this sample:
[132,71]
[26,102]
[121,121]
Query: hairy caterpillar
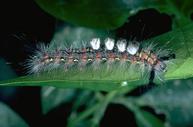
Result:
[121,52]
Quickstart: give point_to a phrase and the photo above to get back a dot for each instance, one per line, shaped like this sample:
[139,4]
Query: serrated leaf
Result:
[56,96]
[9,118]
[174,99]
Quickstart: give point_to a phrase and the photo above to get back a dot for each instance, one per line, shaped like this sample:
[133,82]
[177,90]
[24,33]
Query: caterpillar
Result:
[95,53]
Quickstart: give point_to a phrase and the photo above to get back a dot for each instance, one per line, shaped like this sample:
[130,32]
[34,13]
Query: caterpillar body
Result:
[111,52]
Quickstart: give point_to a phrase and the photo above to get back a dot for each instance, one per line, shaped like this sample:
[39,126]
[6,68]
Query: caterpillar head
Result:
[160,67]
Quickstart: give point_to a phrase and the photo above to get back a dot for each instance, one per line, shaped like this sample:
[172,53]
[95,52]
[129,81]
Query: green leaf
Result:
[85,81]
[110,14]
[174,99]
[56,96]
[93,13]
[113,13]
[183,6]
[179,41]
[180,9]
[9,118]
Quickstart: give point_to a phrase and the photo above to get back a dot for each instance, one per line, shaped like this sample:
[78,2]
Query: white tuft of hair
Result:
[109,43]
[132,48]
[121,45]
[95,43]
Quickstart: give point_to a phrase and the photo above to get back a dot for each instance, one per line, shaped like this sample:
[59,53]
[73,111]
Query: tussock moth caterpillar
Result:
[109,52]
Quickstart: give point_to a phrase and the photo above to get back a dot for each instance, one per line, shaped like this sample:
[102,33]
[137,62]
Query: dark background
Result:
[23,24]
